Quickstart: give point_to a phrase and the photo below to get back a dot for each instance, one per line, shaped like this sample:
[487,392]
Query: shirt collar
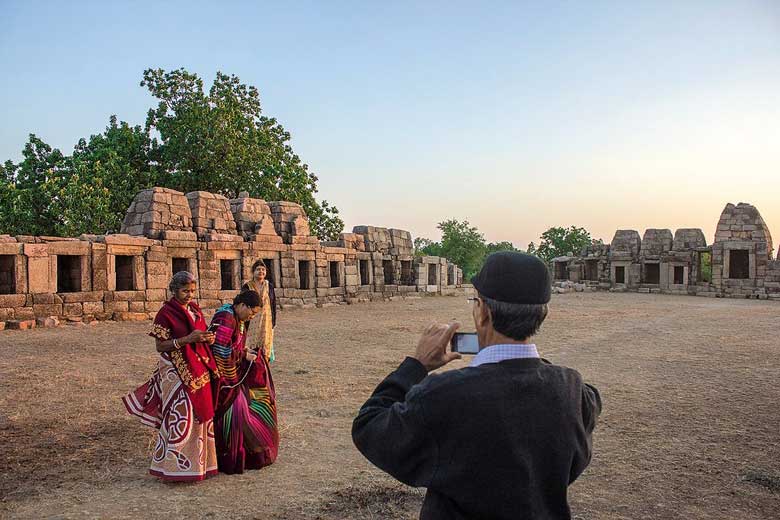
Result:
[502,352]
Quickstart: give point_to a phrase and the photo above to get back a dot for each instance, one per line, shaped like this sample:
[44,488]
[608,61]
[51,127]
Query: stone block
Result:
[72,309]
[93,308]
[133,296]
[157,268]
[131,316]
[38,274]
[12,300]
[157,295]
[79,297]
[100,280]
[153,306]
[157,256]
[24,313]
[116,306]
[75,248]
[36,250]
[136,306]
[157,282]
[46,309]
[12,248]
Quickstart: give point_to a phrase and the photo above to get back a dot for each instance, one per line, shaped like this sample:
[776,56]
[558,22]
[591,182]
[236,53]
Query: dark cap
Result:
[511,277]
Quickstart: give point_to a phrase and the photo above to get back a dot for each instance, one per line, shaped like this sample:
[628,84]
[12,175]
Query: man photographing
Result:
[500,439]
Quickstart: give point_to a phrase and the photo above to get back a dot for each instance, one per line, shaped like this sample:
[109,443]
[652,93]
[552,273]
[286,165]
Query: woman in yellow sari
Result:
[260,336]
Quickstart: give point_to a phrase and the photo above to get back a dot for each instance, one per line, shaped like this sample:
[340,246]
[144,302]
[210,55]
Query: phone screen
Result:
[465,343]
[213,327]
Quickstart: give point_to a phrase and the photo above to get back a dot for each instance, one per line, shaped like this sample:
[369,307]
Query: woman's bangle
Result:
[175,344]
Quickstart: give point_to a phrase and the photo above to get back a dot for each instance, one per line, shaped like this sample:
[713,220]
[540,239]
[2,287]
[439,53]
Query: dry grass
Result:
[690,427]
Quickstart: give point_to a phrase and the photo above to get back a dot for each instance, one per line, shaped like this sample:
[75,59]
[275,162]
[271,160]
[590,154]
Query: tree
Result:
[500,246]
[218,142]
[426,247]
[29,189]
[106,173]
[559,241]
[49,193]
[222,143]
[462,244]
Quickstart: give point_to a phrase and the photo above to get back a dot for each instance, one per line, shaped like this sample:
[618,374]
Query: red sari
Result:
[245,416]
[177,400]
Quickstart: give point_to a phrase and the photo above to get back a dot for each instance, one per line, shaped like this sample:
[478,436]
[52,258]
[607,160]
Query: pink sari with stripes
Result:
[245,425]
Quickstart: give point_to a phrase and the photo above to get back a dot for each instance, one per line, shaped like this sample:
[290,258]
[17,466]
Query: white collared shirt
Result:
[504,351]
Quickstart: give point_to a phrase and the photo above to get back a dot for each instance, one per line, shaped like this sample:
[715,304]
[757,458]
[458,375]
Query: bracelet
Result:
[176,344]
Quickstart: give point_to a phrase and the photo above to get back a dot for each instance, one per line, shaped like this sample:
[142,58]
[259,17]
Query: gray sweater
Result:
[497,441]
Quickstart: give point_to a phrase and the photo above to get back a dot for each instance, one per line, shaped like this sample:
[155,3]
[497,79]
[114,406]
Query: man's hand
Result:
[432,348]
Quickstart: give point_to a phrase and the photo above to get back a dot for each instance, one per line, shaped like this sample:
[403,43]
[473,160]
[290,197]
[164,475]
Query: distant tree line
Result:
[463,244]
[217,141]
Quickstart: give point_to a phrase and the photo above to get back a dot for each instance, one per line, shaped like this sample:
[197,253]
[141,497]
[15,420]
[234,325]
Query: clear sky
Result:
[515,116]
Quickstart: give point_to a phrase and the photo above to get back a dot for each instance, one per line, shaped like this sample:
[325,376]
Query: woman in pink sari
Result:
[177,400]
[245,411]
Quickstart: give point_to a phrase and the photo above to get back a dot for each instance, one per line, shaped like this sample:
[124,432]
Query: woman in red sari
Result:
[245,414]
[177,400]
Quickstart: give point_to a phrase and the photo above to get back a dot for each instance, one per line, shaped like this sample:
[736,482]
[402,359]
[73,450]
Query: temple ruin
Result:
[739,264]
[125,276]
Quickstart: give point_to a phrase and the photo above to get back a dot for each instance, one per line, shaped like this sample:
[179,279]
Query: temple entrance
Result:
[591,270]
[123,270]
[739,264]
[364,277]
[228,277]
[68,273]
[679,275]
[333,269]
[652,274]
[304,272]
[7,274]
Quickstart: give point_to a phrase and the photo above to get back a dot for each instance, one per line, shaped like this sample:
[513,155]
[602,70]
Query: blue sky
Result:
[516,116]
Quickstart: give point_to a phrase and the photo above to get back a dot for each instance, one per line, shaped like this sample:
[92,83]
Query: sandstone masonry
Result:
[125,276]
[739,264]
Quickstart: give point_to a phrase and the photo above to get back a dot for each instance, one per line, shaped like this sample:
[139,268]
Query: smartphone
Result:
[213,328]
[465,343]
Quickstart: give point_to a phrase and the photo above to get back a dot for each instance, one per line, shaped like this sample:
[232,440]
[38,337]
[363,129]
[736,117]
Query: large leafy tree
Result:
[49,193]
[494,247]
[426,247]
[218,142]
[29,189]
[221,142]
[106,173]
[559,241]
[461,243]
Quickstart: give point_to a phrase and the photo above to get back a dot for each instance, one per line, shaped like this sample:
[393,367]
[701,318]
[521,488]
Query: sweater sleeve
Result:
[591,409]
[390,429]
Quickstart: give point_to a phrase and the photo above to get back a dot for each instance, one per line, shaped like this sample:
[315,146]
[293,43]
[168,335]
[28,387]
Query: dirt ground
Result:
[690,429]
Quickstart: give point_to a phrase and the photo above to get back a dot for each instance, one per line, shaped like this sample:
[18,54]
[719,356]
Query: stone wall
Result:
[45,280]
[741,261]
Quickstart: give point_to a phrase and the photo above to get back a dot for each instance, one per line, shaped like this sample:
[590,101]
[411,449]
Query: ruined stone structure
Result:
[740,261]
[125,276]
